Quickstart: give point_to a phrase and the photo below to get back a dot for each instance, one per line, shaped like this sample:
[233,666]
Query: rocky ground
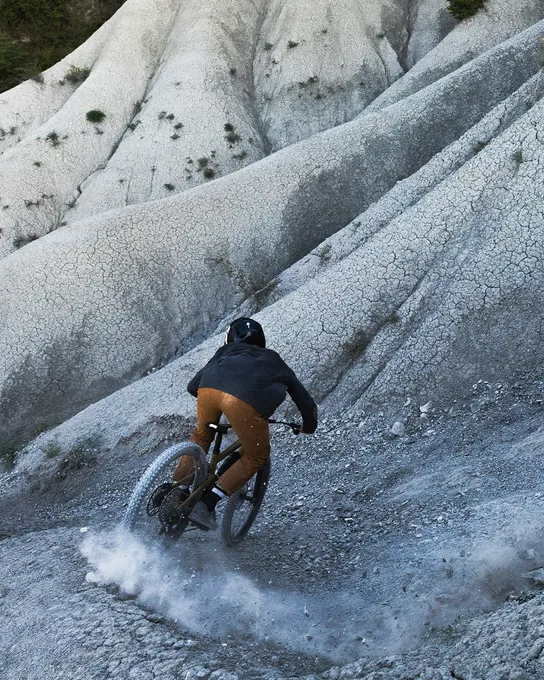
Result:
[408,553]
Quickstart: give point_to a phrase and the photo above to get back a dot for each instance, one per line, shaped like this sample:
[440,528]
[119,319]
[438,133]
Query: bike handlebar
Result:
[223,428]
[295,427]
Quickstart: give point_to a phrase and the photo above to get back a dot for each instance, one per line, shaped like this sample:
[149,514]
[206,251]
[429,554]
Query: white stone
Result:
[398,429]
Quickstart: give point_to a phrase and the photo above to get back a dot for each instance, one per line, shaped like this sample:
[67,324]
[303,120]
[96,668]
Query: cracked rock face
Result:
[363,176]
[249,150]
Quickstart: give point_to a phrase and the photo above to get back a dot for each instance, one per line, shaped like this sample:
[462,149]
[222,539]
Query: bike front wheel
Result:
[138,518]
[243,506]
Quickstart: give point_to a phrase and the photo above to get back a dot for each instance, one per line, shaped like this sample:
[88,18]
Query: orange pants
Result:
[250,428]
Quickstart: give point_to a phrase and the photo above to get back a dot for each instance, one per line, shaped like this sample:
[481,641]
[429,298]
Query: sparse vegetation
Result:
[518,156]
[8,453]
[51,450]
[174,136]
[209,173]
[393,318]
[268,46]
[169,187]
[240,156]
[464,9]
[479,146]
[232,71]
[323,253]
[21,241]
[354,347]
[95,116]
[53,138]
[232,136]
[202,162]
[41,427]
[178,126]
[37,164]
[291,44]
[77,75]
[82,454]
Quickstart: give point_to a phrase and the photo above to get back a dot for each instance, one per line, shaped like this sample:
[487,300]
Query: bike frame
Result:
[218,456]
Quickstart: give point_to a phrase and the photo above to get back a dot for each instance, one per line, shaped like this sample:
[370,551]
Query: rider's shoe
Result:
[203,518]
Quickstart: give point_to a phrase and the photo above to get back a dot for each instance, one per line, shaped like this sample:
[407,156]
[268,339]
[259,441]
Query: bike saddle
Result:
[221,428]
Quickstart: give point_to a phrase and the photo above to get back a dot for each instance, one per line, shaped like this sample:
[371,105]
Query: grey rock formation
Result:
[77,342]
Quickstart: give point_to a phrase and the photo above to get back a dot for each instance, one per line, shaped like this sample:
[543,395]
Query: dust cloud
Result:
[191,586]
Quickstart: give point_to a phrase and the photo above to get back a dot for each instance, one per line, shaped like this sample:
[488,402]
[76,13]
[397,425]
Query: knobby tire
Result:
[136,512]
[236,507]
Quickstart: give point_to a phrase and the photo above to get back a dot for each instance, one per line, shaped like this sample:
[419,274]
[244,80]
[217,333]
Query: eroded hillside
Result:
[114,261]
[362,176]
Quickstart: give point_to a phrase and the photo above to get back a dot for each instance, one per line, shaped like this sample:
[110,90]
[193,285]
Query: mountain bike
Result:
[159,506]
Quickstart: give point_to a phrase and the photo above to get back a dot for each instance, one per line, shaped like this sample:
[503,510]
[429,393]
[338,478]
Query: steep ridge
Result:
[106,331]
[319,64]
[497,22]
[197,121]
[40,176]
[382,350]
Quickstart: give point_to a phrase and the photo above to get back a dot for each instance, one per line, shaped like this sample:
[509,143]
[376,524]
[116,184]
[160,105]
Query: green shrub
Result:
[95,116]
[8,453]
[44,20]
[76,75]
[21,241]
[464,9]
[13,62]
[53,138]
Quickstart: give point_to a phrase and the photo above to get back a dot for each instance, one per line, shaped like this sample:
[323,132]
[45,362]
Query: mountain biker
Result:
[247,382]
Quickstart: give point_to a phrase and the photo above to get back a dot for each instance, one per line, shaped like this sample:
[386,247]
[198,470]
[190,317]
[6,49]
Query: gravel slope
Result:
[390,545]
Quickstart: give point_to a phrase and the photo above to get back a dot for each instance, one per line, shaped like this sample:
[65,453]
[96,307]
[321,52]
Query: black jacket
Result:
[258,376]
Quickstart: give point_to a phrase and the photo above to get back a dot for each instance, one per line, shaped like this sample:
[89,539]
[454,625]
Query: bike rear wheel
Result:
[137,518]
[243,506]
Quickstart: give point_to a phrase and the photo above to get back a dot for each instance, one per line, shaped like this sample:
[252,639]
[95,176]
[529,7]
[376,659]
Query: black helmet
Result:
[246,330]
